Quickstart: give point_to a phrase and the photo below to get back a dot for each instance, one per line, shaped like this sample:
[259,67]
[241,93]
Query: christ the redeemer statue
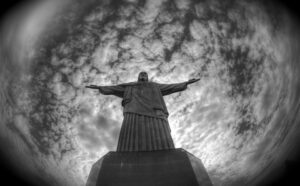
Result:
[145,126]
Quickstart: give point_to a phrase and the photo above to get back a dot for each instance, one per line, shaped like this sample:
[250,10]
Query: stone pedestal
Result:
[156,168]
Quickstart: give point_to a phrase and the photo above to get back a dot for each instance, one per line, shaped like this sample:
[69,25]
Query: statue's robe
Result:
[145,126]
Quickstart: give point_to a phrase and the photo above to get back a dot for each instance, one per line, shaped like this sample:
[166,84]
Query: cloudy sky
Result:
[241,119]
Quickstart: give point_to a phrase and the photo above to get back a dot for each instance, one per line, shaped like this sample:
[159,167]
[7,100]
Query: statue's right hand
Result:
[193,80]
[92,86]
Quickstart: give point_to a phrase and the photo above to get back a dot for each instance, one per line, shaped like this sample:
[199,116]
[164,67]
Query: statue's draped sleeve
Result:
[116,90]
[167,89]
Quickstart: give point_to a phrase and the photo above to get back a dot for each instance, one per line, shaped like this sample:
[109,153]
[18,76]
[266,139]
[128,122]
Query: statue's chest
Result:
[146,90]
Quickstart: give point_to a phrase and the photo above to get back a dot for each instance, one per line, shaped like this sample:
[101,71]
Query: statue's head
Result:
[143,76]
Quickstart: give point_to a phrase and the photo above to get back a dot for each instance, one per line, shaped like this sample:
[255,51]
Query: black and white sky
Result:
[241,119]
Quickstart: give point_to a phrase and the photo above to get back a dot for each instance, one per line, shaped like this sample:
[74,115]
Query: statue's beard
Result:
[142,79]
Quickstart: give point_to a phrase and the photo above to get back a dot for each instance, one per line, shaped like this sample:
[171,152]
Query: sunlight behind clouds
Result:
[235,119]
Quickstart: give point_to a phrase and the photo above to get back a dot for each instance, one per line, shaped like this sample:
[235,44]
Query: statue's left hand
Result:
[193,81]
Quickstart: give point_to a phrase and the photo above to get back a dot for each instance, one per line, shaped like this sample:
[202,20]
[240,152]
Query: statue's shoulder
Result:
[151,83]
[128,84]
[132,84]
[154,83]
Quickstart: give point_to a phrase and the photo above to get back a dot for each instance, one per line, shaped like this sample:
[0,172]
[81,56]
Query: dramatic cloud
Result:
[243,111]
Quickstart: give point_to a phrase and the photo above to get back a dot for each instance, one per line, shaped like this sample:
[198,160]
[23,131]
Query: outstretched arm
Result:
[167,89]
[116,90]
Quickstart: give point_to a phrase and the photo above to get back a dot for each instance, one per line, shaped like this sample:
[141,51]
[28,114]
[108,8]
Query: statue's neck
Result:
[143,81]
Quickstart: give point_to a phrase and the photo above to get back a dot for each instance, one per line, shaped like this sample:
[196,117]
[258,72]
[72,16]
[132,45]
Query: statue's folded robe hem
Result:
[174,167]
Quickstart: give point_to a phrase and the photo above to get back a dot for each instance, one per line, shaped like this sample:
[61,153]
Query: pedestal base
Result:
[156,168]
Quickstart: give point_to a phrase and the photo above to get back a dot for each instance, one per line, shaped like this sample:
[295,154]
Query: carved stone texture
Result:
[174,167]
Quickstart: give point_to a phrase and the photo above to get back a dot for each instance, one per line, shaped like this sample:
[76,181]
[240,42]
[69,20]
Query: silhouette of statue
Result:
[145,126]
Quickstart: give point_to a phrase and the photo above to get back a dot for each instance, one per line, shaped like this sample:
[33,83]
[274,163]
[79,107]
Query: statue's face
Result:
[143,76]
